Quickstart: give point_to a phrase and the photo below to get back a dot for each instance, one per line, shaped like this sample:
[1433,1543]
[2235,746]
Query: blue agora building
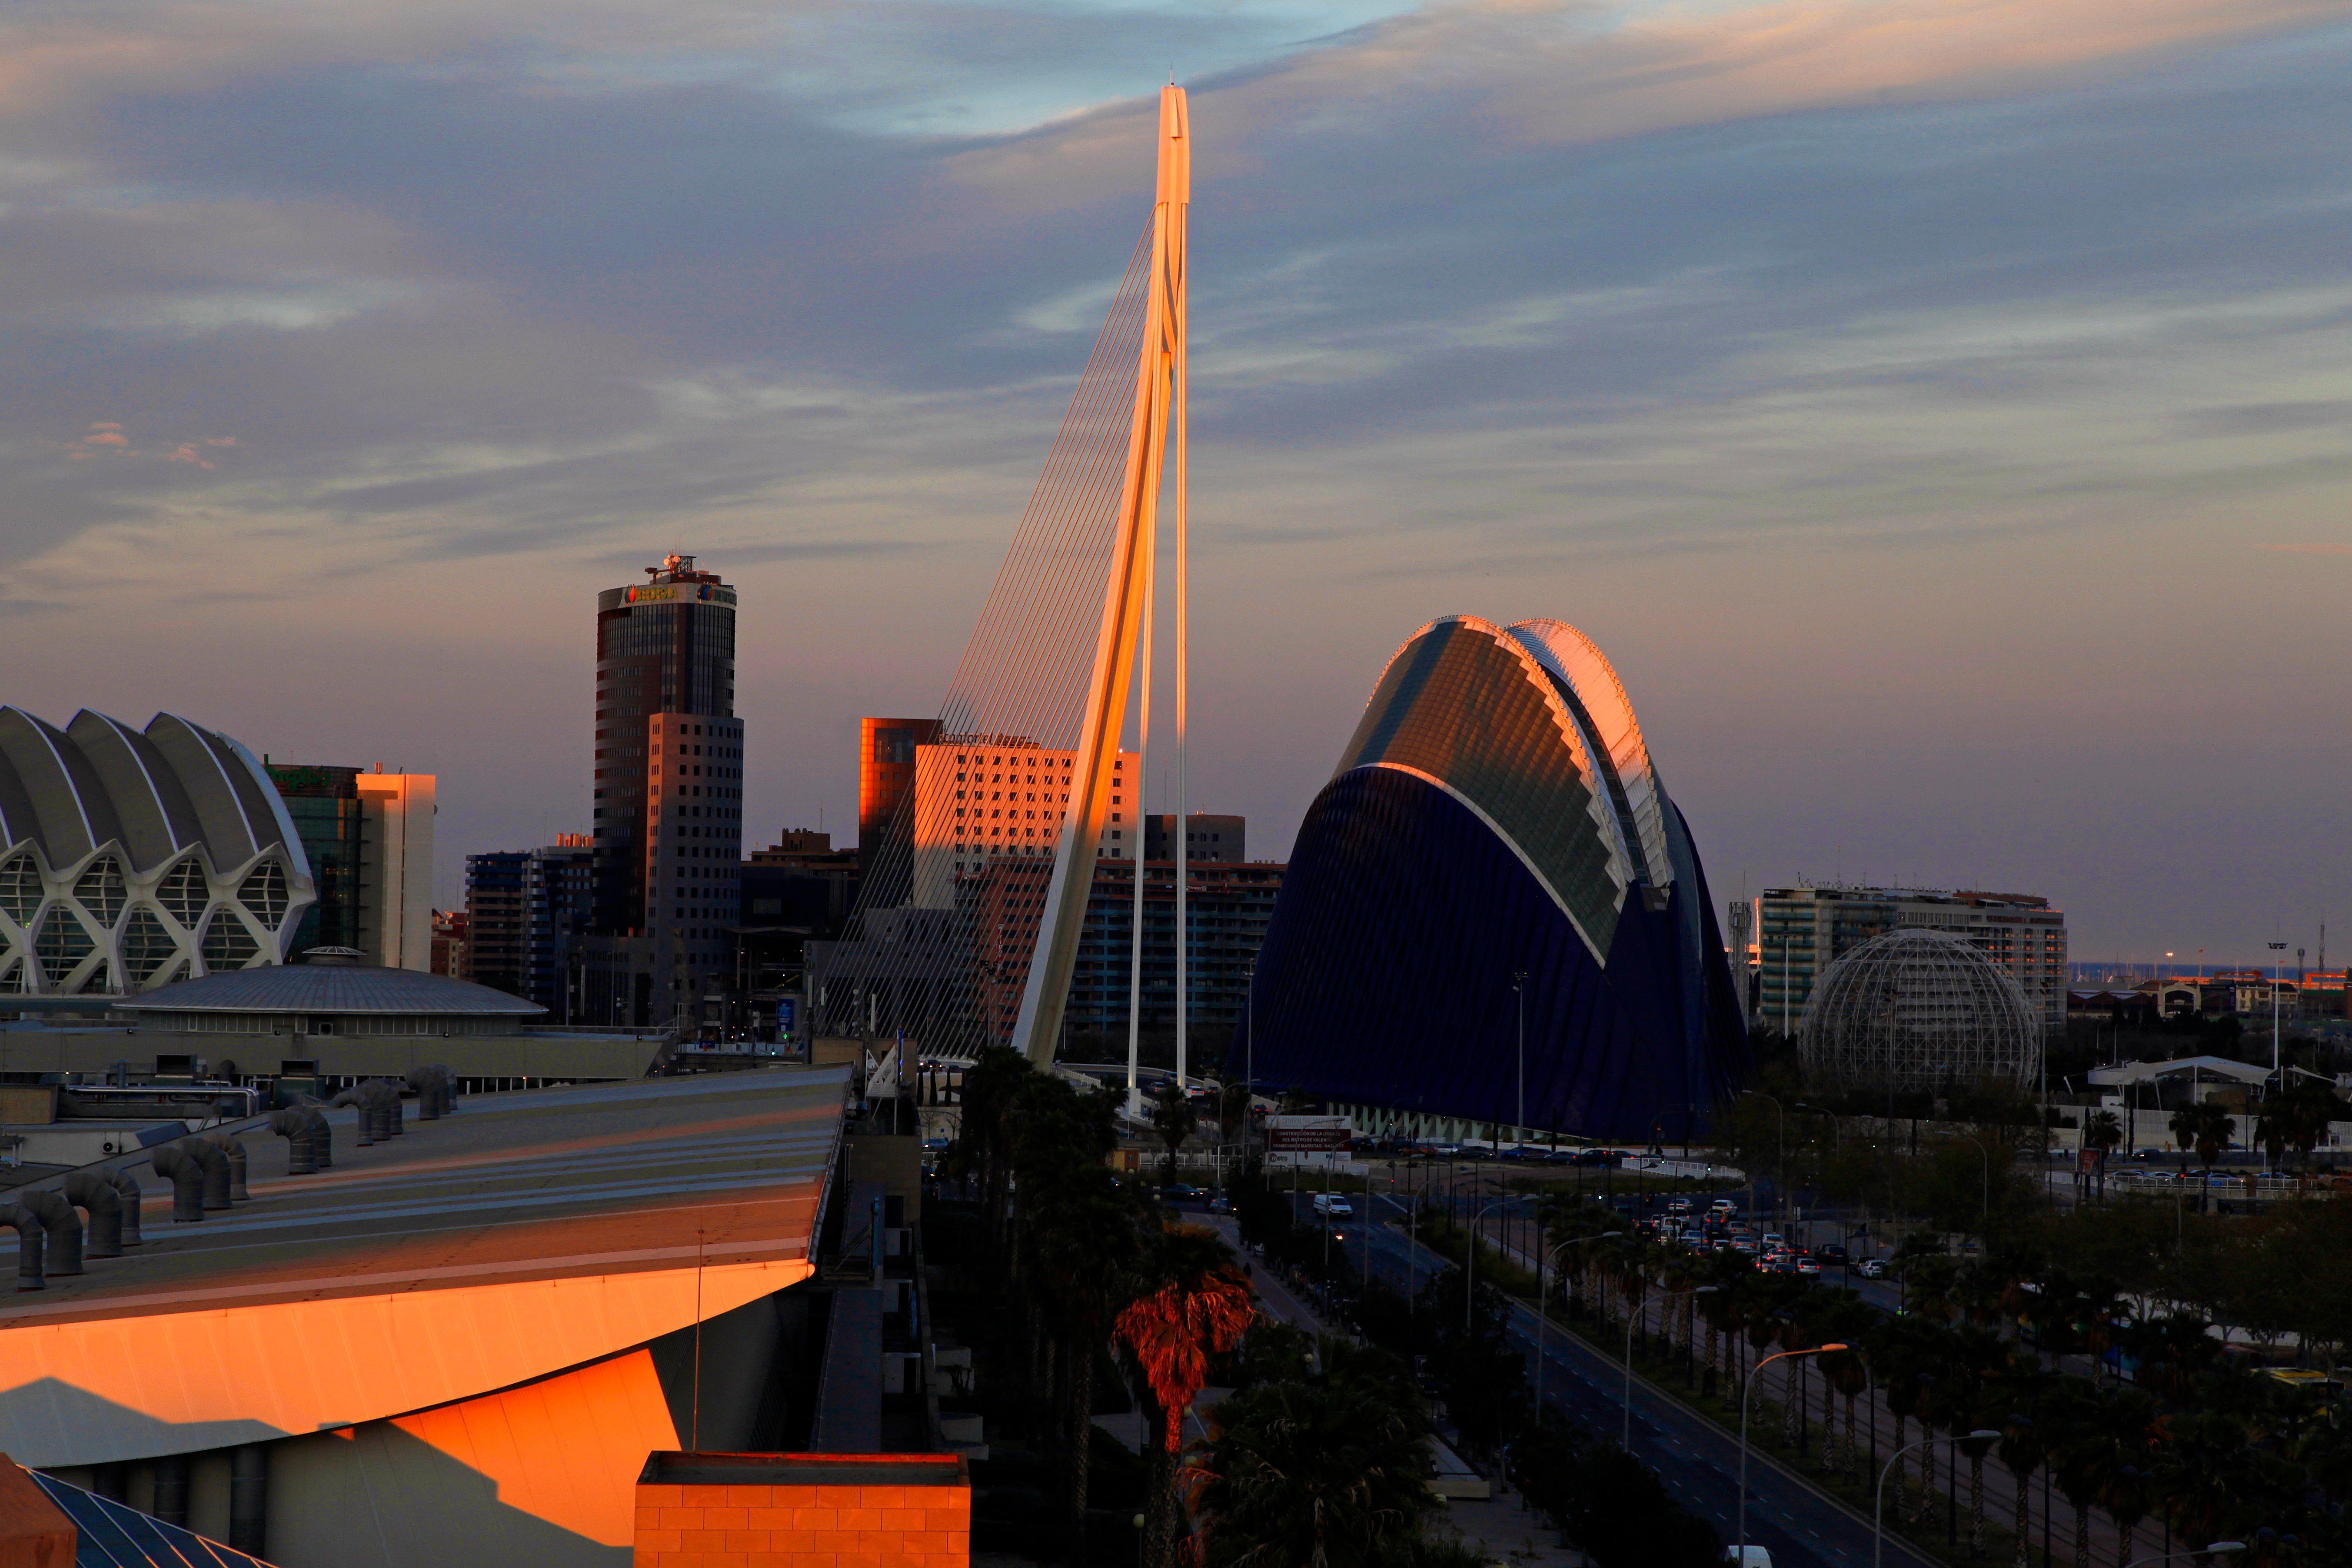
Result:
[1494,903]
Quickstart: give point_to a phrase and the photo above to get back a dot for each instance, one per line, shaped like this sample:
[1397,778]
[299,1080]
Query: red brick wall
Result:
[803,1527]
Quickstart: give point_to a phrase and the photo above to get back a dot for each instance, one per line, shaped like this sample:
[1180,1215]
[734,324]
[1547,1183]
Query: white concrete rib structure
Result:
[131,858]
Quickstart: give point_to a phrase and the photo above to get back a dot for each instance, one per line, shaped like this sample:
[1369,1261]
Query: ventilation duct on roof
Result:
[64,1226]
[309,1139]
[433,1098]
[126,1186]
[187,1179]
[93,1191]
[233,1148]
[29,1235]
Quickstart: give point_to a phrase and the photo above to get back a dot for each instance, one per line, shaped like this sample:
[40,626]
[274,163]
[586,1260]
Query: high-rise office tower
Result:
[669,795]
[886,777]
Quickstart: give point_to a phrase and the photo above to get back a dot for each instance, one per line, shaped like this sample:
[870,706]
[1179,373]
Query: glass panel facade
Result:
[115,1535]
[146,946]
[62,943]
[264,893]
[99,889]
[227,944]
[20,888]
[183,894]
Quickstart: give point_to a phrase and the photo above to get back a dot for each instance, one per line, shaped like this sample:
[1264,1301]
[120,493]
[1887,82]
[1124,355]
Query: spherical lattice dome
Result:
[1918,1009]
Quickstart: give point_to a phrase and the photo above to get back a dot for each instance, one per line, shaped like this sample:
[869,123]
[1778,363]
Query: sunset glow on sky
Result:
[1936,411]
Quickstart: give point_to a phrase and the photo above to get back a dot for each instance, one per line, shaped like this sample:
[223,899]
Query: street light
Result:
[1543,1277]
[2211,1549]
[1984,1217]
[1631,1317]
[1878,1508]
[1745,1395]
[1470,1275]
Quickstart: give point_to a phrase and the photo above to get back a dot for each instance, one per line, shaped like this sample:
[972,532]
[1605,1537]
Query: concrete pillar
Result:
[172,1489]
[248,1497]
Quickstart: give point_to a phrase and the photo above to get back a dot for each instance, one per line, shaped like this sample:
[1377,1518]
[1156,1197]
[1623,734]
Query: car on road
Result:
[1745,1244]
[1220,1203]
[1182,1193]
[1829,1252]
[1872,1268]
[1774,1239]
[1809,1265]
[1331,1205]
[1678,1205]
[1722,1206]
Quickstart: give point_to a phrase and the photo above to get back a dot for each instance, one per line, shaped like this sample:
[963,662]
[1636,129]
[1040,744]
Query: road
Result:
[1698,1461]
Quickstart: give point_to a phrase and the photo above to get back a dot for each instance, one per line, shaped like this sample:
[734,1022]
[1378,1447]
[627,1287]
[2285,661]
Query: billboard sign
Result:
[1306,1140]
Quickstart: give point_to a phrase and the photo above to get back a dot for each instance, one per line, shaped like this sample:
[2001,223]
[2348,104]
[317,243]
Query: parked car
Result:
[1872,1268]
[1830,1252]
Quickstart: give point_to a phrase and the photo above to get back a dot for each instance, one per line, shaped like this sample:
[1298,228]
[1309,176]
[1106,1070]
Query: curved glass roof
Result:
[1468,706]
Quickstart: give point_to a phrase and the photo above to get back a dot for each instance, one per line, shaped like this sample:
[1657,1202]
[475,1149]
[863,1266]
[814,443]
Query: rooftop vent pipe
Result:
[306,1136]
[64,1226]
[94,1191]
[126,1188]
[214,1161]
[187,1179]
[433,1098]
[233,1147]
[27,1226]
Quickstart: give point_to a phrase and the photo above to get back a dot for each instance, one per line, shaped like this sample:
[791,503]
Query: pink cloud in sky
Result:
[187,453]
[220,440]
[106,436]
[2311,549]
[1558,72]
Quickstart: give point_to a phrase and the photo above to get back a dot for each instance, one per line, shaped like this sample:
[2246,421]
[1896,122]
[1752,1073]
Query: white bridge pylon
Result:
[1159,386]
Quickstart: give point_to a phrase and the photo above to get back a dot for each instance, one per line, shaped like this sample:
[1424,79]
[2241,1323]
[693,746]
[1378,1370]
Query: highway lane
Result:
[1697,1459]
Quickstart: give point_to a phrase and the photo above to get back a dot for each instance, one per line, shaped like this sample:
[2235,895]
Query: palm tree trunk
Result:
[1082,1422]
[1901,1427]
[2082,1535]
[1976,1506]
[2024,1480]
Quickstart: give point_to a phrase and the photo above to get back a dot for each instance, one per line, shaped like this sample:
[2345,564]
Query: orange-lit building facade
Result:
[999,798]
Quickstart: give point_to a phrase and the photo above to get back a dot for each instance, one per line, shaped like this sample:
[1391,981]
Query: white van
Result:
[1331,1205]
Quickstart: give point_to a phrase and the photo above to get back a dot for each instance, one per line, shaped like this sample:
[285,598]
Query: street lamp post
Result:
[1984,1216]
[1543,1276]
[1878,1508]
[1470,1275]
[1631,1317]
[1740,1556]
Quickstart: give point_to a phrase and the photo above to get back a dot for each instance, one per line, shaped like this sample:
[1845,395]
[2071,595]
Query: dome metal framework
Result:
[1916,1009]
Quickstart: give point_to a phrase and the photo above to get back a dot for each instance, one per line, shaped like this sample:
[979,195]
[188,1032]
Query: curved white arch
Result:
[1577,661]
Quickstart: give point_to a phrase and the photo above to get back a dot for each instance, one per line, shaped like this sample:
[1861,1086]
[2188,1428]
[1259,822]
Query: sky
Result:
[1937,409]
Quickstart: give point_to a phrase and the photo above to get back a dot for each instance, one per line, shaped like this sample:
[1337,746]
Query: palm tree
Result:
[1174,1120]
[2023,1446]
[2103,1131]
[1330,1471]
[2205,1128]
[2079,1452]
[1193,1304]
[1085,1236]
